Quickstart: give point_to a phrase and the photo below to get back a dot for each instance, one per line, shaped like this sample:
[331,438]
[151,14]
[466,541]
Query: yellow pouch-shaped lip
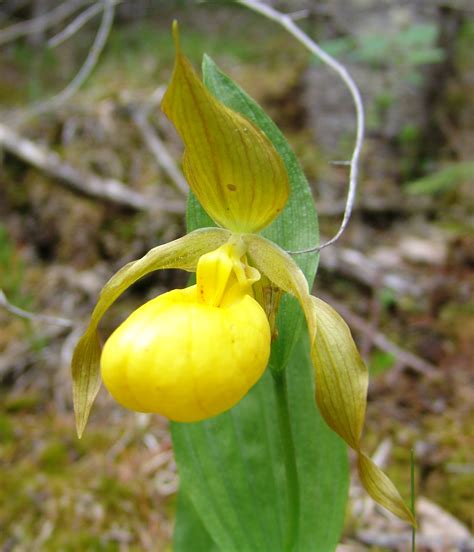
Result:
[183,253]
[231,166]
[185,359]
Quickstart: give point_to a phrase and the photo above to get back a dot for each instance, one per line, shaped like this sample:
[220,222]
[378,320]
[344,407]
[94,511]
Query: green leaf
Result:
[189,532]
[444,180]
[425,57]
[232,467]
[232,472]
[182,253]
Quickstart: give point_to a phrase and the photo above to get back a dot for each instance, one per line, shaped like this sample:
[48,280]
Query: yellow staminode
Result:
[191,353]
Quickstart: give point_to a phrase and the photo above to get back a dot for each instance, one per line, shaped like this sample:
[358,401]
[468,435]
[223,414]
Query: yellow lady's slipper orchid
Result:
[191,354]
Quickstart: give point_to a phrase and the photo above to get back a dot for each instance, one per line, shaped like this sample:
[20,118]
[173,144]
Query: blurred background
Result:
[90,179]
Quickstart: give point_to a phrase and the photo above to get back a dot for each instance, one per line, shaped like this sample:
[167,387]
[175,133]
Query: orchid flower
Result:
[193,353]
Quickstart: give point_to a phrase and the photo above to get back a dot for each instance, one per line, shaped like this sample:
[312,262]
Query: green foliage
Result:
[380,362]
[405,51]
[409,135]
[411,47]
[6,429]
[387,298]
[137,53]
[464,46]
[38,66]
[235,488]
[12,271]
[27,402]
[54,457]
[444,180]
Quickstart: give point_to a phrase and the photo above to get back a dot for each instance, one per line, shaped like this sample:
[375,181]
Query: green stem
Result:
[289,457]
[412,501]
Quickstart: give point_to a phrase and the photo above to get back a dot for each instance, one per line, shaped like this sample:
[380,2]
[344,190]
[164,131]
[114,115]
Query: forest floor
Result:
[403,275]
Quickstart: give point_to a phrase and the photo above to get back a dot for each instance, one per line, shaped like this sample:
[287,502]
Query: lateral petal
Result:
[341,375]
[341,394]
[381,489]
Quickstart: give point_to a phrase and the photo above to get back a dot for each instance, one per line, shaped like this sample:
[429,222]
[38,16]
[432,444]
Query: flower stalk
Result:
[289,458]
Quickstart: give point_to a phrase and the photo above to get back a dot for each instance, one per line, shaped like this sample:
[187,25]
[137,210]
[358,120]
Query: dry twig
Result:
[381,340]
[82,181]
[155,144]
[286,21]
[41,23]
[44,318]
[77,23]
[356,265]
[86,69]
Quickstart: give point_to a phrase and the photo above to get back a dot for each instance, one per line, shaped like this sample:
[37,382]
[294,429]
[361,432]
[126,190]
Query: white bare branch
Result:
[45,318]
[286,21]
[156,146]
[41,23]
[159,151]
[82,181]
[77,23]
[88,66]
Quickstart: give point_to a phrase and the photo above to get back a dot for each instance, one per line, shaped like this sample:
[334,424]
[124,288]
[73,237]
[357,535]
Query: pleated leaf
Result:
[182,253]
[231,166]
[234,487]
[233,478]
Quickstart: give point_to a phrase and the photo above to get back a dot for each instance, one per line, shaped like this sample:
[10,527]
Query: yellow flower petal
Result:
[182,253]
[231,166]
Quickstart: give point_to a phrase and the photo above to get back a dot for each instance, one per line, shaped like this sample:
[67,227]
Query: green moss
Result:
[112,493]
[26,402]
[138,54]
[54,457]
[6,429]
[454,492]
[84,541]
[380,362]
